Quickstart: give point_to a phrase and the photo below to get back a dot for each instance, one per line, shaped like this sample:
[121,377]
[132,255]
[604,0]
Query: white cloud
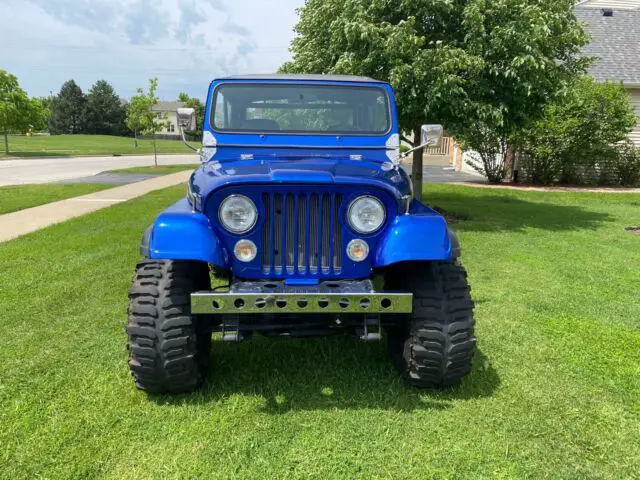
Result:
[185,43]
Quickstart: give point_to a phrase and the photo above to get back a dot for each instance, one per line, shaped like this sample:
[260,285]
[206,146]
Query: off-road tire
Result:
[435,346]
[168,347]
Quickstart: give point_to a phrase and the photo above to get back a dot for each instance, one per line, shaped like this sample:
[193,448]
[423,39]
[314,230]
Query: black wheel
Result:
[435,346]
[168,348]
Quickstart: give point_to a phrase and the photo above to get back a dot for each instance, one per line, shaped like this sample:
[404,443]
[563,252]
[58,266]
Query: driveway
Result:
[46,170]
[438,174]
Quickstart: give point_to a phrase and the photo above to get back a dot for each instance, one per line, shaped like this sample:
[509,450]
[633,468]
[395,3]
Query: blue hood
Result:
[214,175]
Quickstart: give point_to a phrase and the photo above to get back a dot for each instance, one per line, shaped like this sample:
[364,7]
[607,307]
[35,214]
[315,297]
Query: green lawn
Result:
[67,145]
[555,390]
[160,170]
[19,197]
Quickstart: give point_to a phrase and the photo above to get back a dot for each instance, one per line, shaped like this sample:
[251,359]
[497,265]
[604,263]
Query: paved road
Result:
[45,170]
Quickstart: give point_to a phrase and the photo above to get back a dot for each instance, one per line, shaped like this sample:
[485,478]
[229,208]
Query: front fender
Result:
[179,233]
[422,235]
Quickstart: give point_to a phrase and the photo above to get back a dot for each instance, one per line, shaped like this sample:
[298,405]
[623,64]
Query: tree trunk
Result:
[509,163]
[6,142]
[416,171]
[155,153]
[135,138]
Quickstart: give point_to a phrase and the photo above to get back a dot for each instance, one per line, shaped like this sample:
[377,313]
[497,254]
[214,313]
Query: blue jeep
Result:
[303,210]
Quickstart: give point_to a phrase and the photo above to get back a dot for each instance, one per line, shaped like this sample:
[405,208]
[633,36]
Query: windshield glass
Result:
[309,109]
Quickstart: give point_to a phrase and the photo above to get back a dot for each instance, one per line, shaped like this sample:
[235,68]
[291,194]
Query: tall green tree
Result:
[198,106]
[531,55]
[67,109]
[104,113]
[476,66]
[141,118]
[17,111]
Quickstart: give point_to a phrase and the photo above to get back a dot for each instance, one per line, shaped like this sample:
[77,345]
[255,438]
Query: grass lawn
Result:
[19,197]
[555,390]
[67,145]
[161,170]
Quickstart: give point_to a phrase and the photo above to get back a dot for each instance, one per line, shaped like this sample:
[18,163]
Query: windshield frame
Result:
[212,109]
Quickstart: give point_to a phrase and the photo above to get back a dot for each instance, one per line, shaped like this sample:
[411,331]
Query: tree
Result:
[17,111]
[67,110]
[103,114]
[140,115]
[477,67]
[198,106]
[530,53]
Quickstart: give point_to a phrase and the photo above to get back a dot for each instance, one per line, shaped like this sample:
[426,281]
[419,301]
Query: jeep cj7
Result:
[302,206]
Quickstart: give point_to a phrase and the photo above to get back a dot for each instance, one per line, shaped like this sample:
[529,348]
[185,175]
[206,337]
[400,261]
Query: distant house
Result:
[169,109]
[614,27]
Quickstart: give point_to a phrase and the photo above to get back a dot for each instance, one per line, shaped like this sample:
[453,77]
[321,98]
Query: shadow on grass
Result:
[482,212]
[333,373]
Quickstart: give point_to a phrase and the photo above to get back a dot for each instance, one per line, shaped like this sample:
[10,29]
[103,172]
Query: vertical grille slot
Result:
[313,234]
[277,243]
[290,231]
[337,235]
[266,234]
[326,233]
[303,214]
[302,234]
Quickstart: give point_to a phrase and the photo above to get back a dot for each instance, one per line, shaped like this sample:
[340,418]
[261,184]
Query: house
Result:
[614,27]
[169,110]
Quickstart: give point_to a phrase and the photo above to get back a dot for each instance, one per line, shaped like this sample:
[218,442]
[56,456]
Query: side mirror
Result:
[432,135]
[186,117]
[186,120]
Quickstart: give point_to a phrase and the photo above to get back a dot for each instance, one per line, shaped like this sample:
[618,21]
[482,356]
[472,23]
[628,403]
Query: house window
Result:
[172,127]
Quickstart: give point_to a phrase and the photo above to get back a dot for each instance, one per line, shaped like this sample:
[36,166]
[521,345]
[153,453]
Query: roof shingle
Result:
[615,41]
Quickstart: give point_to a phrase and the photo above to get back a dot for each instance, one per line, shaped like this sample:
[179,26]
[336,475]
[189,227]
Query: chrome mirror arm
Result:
[184,139]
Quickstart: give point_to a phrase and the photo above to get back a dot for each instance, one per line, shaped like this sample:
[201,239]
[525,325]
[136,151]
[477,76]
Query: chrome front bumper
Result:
[346,297]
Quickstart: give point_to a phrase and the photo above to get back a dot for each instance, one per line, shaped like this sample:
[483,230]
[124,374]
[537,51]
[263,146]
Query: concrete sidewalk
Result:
[15,224]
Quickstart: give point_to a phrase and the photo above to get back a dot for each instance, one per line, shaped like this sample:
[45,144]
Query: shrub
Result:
[627,165]
[576,140]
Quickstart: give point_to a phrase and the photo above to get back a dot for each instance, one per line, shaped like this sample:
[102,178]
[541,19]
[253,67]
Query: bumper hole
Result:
[261,303]
[385,303]
[281,303]
[238,303]
[365,303]
[323,303]
[344,302]
[215,304]
[302,303]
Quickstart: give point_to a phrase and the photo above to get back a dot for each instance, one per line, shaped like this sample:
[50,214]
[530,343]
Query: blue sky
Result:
[185,43]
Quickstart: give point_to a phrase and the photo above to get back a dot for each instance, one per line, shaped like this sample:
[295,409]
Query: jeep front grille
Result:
[302,233]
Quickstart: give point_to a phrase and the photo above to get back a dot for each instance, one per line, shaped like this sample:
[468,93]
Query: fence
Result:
[444,149]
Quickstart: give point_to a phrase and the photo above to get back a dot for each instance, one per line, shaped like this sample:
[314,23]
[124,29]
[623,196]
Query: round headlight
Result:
[366,214]
[238,214]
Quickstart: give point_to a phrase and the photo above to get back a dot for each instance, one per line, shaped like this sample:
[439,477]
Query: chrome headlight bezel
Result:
[231,228]
[350,214]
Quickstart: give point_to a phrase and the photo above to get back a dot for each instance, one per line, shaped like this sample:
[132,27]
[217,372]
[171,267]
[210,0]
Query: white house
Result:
[614,27]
